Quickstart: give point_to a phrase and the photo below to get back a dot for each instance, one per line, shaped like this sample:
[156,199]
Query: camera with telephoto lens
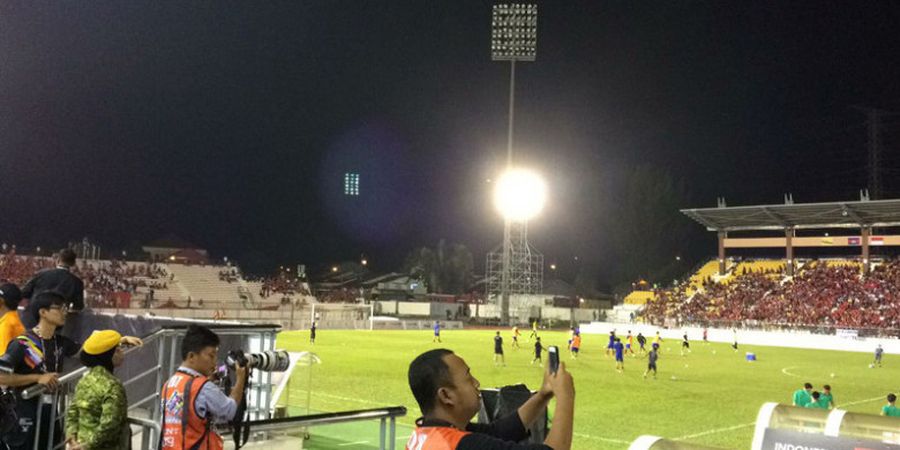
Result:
[268,361]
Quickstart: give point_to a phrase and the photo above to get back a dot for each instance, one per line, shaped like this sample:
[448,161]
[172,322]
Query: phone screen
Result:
[553,351]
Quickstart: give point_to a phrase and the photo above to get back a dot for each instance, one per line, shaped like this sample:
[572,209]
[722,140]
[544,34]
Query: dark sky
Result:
[230,124]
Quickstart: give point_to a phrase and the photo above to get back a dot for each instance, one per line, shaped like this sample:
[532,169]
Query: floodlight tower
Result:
[513,38]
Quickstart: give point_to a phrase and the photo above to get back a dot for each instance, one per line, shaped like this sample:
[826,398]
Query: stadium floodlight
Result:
[520,195]
[513,38]
[514,32]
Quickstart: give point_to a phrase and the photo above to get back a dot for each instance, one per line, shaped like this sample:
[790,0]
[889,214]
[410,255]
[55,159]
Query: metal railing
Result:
[145,372]
[387,417]
[162,347]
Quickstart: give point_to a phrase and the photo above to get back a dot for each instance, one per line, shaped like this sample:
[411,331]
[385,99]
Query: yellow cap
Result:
[101,342]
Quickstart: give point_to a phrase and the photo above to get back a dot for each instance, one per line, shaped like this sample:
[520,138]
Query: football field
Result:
[709,396]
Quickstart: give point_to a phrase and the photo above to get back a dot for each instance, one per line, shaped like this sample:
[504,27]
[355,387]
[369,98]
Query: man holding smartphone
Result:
[449,397]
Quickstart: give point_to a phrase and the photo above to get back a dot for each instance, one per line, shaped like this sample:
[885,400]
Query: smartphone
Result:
[553,353]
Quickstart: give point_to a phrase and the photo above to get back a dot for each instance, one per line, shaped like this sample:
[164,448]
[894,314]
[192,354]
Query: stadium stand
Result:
[833,293]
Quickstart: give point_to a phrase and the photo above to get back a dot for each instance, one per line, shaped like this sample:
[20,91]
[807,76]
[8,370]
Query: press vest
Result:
[182,427]
[435,437]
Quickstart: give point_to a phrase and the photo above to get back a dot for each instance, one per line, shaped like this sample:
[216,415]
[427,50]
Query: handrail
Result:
[320,419]
[38,389]
[146,423]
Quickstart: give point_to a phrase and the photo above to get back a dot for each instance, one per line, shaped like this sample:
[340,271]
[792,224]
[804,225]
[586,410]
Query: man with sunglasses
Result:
[36,357]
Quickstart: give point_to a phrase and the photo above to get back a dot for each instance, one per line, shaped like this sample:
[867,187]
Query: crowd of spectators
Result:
[282,284]
[819,295]
[104,282]
[229,275]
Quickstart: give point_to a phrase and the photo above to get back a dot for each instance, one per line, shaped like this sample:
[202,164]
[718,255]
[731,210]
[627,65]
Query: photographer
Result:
[191,404]
[449,397]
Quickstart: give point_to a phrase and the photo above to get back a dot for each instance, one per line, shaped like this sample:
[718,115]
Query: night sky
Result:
[230,124]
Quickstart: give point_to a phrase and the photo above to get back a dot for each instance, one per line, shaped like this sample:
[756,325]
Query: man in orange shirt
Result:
[10,325]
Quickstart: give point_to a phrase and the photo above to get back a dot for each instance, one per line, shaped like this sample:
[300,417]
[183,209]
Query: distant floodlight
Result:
[520,195]
[514,32]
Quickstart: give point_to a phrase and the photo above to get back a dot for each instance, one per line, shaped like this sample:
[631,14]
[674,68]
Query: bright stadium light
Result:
[520,195]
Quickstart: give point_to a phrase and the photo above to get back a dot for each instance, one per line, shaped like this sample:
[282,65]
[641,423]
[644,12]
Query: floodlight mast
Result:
[513,38]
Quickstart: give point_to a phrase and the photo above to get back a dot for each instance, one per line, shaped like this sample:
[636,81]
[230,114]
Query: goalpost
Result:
[343,316]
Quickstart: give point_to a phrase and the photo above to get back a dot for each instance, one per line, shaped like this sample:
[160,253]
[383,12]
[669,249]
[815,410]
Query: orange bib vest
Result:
[436,435]
[182,427]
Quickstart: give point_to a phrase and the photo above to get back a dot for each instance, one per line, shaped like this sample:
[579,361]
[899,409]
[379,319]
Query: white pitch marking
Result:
[785,371]
[717,430]
[615,441]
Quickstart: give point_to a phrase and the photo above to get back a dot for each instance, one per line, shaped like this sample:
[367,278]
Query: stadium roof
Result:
[869,213]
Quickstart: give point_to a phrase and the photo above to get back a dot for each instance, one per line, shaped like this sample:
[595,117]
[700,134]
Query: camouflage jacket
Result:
[98,415]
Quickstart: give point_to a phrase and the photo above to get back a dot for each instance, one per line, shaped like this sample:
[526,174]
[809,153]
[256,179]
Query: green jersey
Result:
[801,397]
[98,415]
[816,404]
[891,411]
[826,400]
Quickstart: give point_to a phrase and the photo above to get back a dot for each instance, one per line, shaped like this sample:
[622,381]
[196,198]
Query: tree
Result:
[446,269]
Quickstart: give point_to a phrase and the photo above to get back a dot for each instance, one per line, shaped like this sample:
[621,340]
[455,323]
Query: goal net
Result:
[342,316]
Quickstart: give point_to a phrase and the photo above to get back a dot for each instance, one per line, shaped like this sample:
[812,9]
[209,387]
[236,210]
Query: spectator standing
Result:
[97,418]
[59,279]
[10,325]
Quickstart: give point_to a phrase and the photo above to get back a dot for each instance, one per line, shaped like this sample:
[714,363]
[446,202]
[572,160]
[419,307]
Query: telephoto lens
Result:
[268,361]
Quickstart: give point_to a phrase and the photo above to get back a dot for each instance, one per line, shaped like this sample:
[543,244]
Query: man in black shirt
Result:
[65,283]
[449,397]
[60,280]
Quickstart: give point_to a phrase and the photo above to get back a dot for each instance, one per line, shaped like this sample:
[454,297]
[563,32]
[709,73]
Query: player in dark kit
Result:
[538,348]
[651,363]
[498,350]
[685,344]
[642,341]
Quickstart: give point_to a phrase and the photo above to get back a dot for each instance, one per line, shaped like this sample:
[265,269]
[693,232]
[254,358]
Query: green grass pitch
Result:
[710,396]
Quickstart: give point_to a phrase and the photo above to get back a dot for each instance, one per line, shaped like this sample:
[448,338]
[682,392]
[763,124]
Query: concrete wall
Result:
[792,339]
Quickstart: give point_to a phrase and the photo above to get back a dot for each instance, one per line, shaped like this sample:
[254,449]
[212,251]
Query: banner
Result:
[847,333]
[795,440]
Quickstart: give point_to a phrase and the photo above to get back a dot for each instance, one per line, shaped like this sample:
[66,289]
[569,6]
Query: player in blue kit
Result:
[437,332]
[620,355]
[610,347]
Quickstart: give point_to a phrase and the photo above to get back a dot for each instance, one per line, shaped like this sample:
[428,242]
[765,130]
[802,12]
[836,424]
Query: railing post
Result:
[381,434]
[393,432]
[37,424]
[146,435]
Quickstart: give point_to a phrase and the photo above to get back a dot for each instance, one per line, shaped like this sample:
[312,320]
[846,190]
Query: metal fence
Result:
[145,370]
